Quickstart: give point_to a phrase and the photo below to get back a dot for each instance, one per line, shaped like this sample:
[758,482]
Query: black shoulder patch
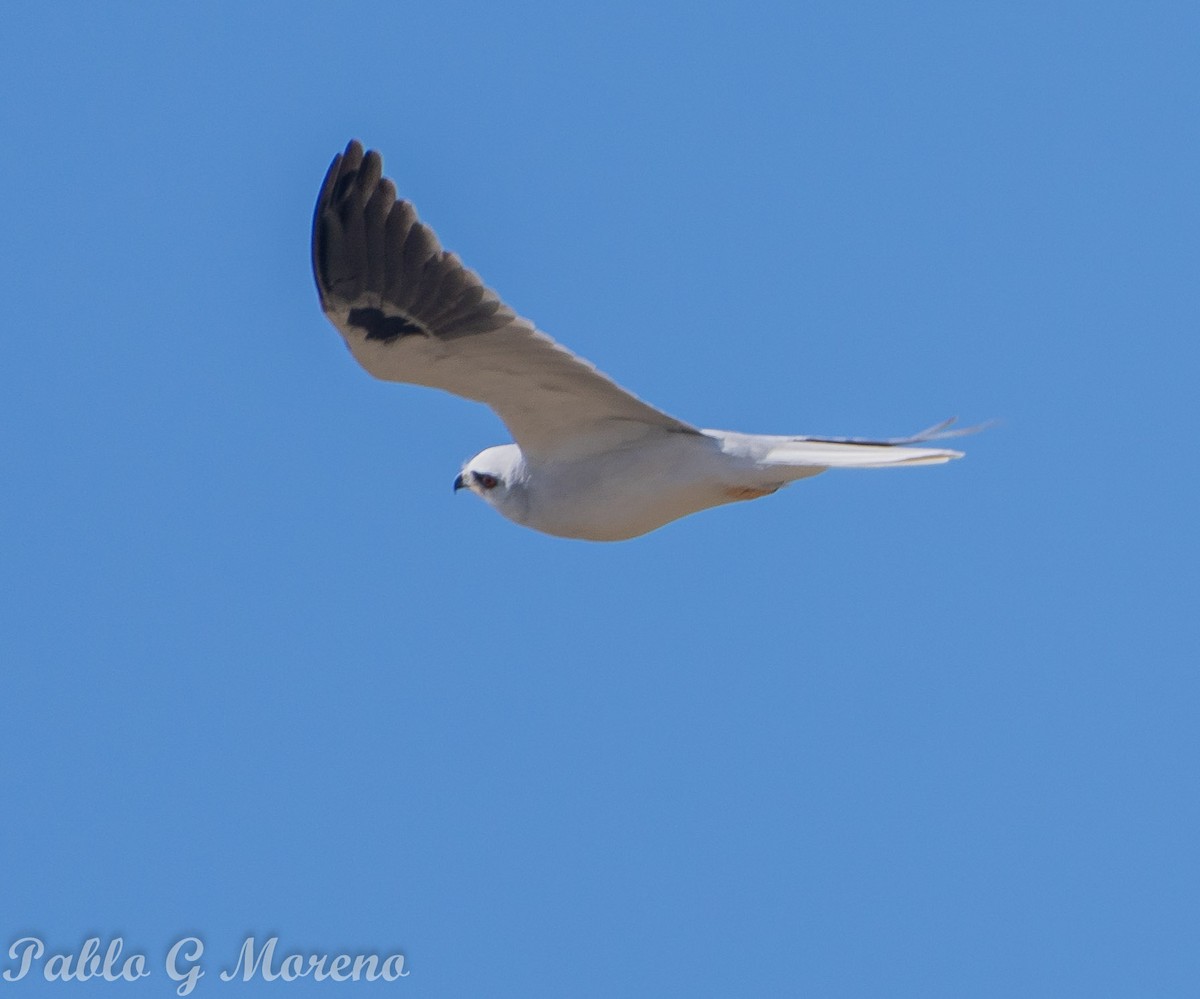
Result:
[383,327]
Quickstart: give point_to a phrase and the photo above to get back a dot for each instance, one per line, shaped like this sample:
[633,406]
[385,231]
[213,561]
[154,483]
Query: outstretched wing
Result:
[411,312]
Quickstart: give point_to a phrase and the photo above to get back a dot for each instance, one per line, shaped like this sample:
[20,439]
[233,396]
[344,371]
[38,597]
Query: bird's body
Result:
[591,461]
[624,492]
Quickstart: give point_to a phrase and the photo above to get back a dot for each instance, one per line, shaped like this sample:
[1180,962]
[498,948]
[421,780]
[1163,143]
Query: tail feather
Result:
[938,432]
[800,457]
[862,452]
[829,454]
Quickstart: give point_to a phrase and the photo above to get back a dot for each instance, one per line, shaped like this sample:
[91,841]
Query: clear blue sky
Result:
[927,732]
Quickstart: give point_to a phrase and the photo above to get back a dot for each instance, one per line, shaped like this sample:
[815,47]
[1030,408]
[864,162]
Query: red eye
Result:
[487,481]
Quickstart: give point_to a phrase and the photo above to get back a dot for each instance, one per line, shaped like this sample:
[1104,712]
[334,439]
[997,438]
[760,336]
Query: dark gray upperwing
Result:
[411,312]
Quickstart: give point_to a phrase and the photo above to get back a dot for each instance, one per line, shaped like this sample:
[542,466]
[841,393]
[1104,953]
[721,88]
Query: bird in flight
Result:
[591,460]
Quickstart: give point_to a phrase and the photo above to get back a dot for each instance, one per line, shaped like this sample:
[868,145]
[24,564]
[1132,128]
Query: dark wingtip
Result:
[344,164]
[353,154]
[371,256]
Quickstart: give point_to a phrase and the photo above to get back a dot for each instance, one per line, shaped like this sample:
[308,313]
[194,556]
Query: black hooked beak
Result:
[460,482]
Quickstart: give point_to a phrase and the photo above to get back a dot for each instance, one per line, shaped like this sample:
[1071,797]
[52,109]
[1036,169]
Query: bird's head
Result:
[498,476]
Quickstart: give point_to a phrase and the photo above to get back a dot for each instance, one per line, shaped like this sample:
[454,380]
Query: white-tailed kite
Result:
[590,460]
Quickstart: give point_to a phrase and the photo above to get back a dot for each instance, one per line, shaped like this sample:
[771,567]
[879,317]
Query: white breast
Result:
[629,492]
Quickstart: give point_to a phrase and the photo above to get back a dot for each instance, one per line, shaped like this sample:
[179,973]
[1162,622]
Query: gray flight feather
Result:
[411,312]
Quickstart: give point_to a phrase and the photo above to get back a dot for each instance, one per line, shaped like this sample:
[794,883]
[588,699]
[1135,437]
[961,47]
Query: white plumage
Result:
[591,460]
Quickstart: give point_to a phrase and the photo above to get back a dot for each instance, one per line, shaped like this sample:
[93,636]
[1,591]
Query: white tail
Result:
[826,454]
[805,456]
[858,452]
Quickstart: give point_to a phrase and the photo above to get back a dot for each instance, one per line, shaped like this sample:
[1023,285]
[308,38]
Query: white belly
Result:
[635,490]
